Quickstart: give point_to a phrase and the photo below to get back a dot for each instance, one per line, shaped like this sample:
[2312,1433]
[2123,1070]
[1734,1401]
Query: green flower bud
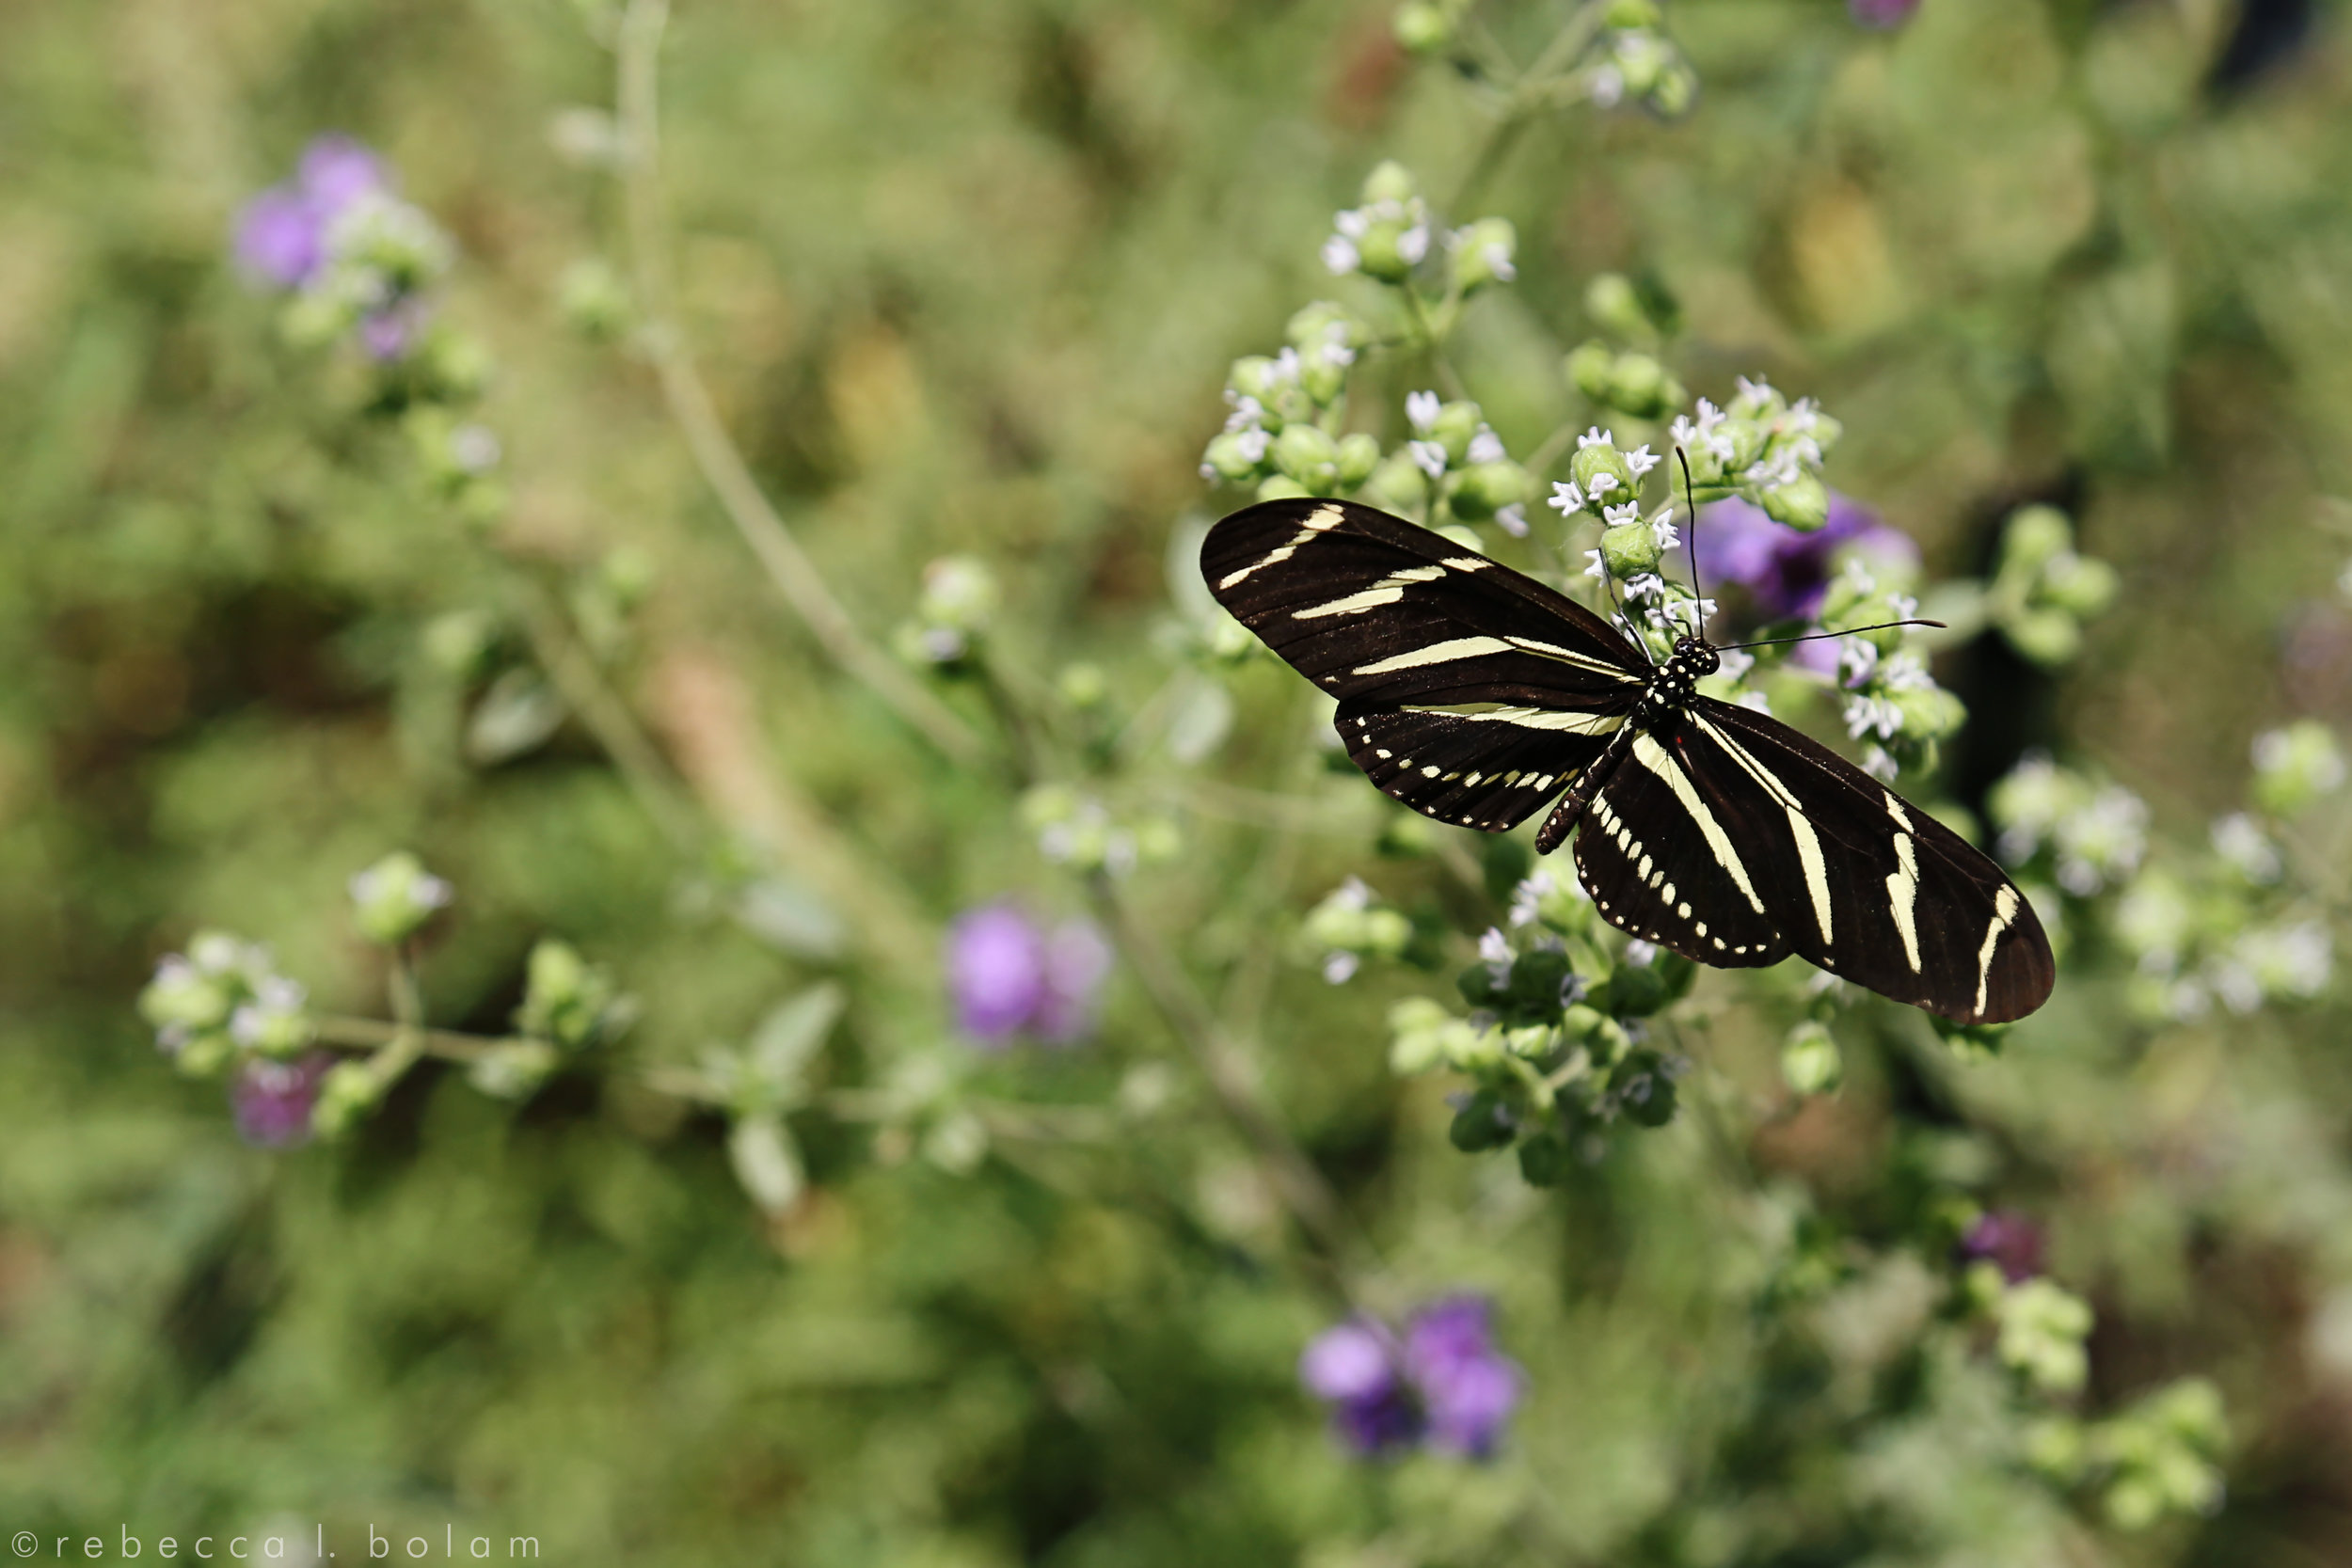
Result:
[1231,455]
[2041,1333]
[1675,89]
[2047,637]
[1826,432]
[565,999]
[1405,836]
[1546,1161]
[316,317]
[1602,473]
[1397,484]
[1615,304]
[1803,503]
[2079,585]
[1483,490]
[1482,254]
[1588,368]
[1758,402]
[345,1094]
[395,897]
[1628,550]
[1322,323]
[1358,454]
[1645,1092]
[1281,488]
[592,300]
[184,997]
[2293,767]
[205,1054]
[1481,1124]
[455,365]
[959,593]
[1158,841]
[1530,1042]
[1389,181]
[1253,376]
[1455,426]
[1809,1060]
[1048,805]
[1584,1023]
[1307,455]
[1385,251]
[2033,537]
[1641,58]
[1626,14]
[1423,29]
[1230,641]
[1418,1030]
[511,1071]
[1387,933]
[1323,380]
[1082,685]
[1930,713]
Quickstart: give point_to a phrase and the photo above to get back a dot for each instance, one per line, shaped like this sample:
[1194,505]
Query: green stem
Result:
[756,519]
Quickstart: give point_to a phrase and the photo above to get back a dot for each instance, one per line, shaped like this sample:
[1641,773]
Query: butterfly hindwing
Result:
[1861,882]
[1482,764]
[1370,607]
[1665,865]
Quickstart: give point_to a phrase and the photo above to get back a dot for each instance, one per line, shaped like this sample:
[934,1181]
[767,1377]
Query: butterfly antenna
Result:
[1817,636]
[1691,508]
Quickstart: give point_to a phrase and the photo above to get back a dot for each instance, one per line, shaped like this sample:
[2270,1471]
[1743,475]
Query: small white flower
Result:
[1734,662]
[1640,460]
[1595,437]
[1494,947]
[1286,367]
[2289,960]
[1247,412]
[2237,840]
[2232,981]
[1640,954]
[1596,570]
[1662,528]
[1607,86]
[1413,243]
[1646,585]
[1529,896]
[474,449]
[1339,968]
[1760,388]
[1429,456]
[1865,715]
[1486,447]
[1352,224]
[1499,263]
[1603,482]
[1512,519]
[1684,432]
[1902,671]
[1879,765]
[1351,894]
[1567,496]
[1340,255]
[1624,512]
[1755,700]
[1421,409]
[1253,444]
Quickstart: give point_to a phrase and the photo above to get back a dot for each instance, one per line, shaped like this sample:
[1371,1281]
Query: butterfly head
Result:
[1696,656]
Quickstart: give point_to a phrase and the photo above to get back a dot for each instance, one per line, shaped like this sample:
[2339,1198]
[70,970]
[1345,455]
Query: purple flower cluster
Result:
[2008,1238]
[1442,1383]
[286,239]
[273,1099]
[1008,976]
[1787,573]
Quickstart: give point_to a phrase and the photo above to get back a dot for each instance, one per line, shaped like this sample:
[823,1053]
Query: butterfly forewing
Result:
[1368,605]
[1861,881]
[1665,866]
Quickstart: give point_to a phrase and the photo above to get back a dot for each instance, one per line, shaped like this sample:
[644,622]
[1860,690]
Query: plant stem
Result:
[370,1033]
[796,577]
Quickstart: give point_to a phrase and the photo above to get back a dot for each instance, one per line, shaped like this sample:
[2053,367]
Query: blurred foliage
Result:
[964,279]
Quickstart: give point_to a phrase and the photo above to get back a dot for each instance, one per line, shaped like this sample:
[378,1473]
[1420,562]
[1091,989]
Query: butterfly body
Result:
[1476,695]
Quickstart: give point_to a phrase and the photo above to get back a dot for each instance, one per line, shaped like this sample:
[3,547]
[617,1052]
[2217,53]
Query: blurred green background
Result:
[965,276]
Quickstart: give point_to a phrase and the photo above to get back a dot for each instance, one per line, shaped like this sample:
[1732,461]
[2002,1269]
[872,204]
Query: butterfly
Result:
[1478,696]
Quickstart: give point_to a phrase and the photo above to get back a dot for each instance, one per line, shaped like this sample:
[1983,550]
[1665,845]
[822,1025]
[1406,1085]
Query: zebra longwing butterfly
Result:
[1476,695]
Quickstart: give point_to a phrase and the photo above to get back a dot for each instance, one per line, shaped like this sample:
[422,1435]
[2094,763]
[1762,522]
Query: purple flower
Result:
[387,334]
[1444,1385]
[1354,1367]
[273,1099]
[1881,13]
[2008,1238]
[1010,977]
[1787,573]
[282,233]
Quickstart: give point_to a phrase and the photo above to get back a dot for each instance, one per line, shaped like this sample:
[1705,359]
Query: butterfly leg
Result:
[1555,829]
